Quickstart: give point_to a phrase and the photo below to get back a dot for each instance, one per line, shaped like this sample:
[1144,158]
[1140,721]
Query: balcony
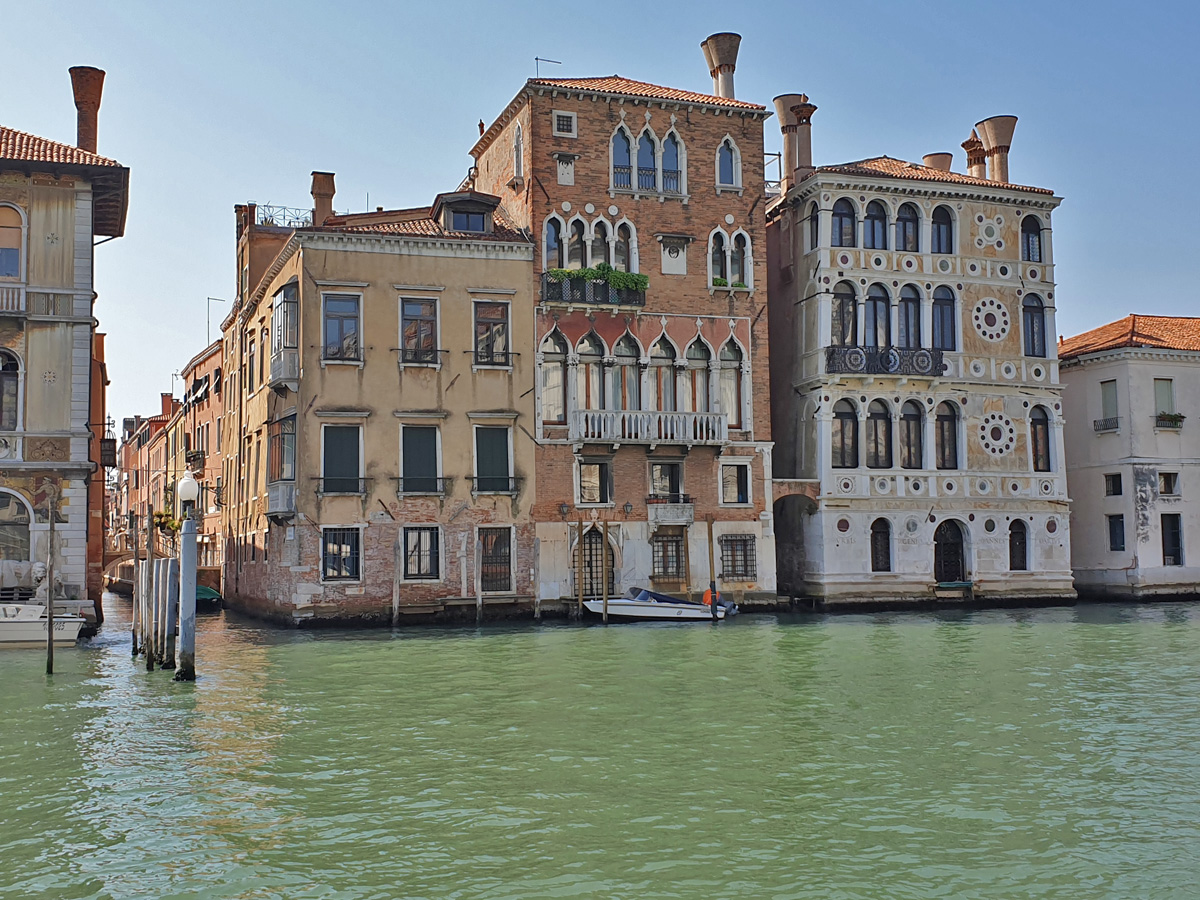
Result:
[342,485]
[12,300]
[670,509]
[1112,423]
[422,485]
[281,498]
[195,460]
[588,292]
[882,361]
[1170,421]
[285,367]
[628,426]
[494,484]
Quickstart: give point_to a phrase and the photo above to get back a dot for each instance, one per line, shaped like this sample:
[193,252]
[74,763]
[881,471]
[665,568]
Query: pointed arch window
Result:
[845,316]
[1018,546]
[877,317]
[908,229]
[627,390]
[942,238]
[738,270]
[662,377]
[881,546]
[555,258]
[601,249]
[845,435]
[728,165]
[909,318]
[1039,439]
[577,246]
[1033,317]
[696,397]
[623,249]
[944,324]
[1031,239]
[647,163]
[590,382]
[912,436]
[554,379]
[717,255]
[518,152]
[946,435]
[875,227]
[14,528]
[730,365]
[844,224]
[11,243]
[672,179]
[622,170]
[10,391]
[814,226]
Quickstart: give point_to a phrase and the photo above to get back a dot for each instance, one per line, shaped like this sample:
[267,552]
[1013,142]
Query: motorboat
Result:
[641,603]
[24,625]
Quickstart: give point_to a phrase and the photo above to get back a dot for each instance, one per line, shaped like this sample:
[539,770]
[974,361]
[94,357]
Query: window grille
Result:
[340,554]
[738,561]
[667,553]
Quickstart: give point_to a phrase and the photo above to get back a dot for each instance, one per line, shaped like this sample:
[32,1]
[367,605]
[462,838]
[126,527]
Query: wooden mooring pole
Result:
[187,602]
[131,526]
[712,571]
[604,557]
[579,571]
[50,498]
[148,595]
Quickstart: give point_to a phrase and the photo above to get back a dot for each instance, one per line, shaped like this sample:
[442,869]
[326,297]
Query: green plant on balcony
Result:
[621,281]
[1170,420]
[739,285]
[164,522]
[720,282]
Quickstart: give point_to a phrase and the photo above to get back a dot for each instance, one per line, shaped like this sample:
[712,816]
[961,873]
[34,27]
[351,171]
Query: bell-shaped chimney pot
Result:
[720,53]
[939,161]
[996,134]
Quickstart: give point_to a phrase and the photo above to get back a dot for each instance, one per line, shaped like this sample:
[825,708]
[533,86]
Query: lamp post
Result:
[188,492]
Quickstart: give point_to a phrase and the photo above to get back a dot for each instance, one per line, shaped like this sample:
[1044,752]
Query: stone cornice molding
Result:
[1129,354]
[903,188]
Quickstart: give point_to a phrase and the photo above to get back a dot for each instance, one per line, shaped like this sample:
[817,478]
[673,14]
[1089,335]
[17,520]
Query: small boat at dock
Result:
[640,603]
[24,625]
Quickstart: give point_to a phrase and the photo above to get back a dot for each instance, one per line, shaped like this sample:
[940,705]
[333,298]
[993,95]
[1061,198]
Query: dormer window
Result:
[465,212]
[467,221]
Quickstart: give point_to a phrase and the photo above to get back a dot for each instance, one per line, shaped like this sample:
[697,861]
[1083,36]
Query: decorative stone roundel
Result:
[997,433]
[991,319]
[990,232]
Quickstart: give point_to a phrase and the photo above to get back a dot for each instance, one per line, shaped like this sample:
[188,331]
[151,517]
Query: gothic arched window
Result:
[554,379]
[622,171]
[730,364]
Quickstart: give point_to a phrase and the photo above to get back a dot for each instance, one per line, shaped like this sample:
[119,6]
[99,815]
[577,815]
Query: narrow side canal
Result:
[1017,754]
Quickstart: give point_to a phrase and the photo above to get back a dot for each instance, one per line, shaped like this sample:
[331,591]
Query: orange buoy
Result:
[708,597]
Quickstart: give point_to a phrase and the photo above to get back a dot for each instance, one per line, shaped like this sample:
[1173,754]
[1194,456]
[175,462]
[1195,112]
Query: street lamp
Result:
[188,492]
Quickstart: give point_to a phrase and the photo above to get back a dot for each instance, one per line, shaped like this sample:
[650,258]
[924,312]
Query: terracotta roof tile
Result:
[17,145]
[1163,332]
[416,223]
[615,84]
[898,168]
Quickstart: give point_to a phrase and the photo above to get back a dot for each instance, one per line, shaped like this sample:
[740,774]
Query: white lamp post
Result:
[188,492]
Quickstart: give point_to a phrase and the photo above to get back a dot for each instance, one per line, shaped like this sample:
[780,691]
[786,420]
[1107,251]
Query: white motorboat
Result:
[24,625]
[640,603]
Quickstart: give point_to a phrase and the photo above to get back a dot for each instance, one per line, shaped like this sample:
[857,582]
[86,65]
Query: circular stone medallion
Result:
[997,434]
[991,319]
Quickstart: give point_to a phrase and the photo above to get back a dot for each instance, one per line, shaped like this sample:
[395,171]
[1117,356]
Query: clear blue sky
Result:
[220,103]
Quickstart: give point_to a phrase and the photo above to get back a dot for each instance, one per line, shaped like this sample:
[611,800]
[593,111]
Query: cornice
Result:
[1128,354]
[901,187]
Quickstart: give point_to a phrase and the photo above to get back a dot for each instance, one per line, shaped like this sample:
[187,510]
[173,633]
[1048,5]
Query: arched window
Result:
[10,391]
[1039,439]
[881,546]
[627,392]
[946,435]
[909,318]
[727,165]
[662,376]
[14,528]
[601,250]
[622,173]
[730,364]
[647,163]
[845,435]
[518,152]
[944,326]
[590,374]
[844,224]
[717,255]
[875,227]
[695,397]
[576,246]
[845,316]
[10,243]
[912,436]
[671,170]
[814,226]
[949,554]
[877,317]
[879,436]
[1018,543]
[554,245]
[1031,239]
[908,229]
[1033,317]
[942,239]
[738,273]
[623,255]
[554,379]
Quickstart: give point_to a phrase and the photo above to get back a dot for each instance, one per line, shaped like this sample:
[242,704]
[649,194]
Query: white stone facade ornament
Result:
[997,434]
[991,319]
[989,232]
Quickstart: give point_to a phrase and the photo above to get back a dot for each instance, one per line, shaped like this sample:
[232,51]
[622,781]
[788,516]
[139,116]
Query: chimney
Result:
[939,161]
[720,52]
[803,111]
[166,402]
[87,84]
[322,196]
[996,134]
[976,158]
[787,124]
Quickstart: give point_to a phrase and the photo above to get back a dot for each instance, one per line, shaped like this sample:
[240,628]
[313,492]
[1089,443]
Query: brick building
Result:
[652,409]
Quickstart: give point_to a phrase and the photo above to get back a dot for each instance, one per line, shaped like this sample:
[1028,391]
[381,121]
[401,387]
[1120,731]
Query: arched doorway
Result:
[948,558]
[598,563]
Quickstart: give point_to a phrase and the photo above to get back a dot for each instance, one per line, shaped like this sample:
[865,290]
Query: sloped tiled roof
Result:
[615,84]
[17,145]
[1162,332]
[416,223]
[898,168]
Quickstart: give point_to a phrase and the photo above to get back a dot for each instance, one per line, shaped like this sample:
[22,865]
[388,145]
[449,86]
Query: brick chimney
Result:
[996,134]
[87,83]
[322,196]
[803,111]
[720,52]
[976,158]
[939,161]
[167,403]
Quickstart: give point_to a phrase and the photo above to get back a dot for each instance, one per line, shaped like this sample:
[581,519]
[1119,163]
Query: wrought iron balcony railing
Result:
[647,178]
[622,176]
[586,290]
[883,361]
[1112,423]
[1169,420]
[342,485]
[629,426]
[421,484]
[495,484]
[671,182]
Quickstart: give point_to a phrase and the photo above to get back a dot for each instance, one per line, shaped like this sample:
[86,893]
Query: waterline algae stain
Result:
[1050,754]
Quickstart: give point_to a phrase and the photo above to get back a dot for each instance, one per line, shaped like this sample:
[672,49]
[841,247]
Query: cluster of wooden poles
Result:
[164,601]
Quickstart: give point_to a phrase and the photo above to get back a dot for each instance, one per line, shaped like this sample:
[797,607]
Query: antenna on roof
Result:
[537,65]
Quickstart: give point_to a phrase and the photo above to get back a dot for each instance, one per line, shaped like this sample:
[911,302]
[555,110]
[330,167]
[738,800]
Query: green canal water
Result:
[1018,754]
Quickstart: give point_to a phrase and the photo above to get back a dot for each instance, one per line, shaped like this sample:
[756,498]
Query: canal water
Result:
[1017,754]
